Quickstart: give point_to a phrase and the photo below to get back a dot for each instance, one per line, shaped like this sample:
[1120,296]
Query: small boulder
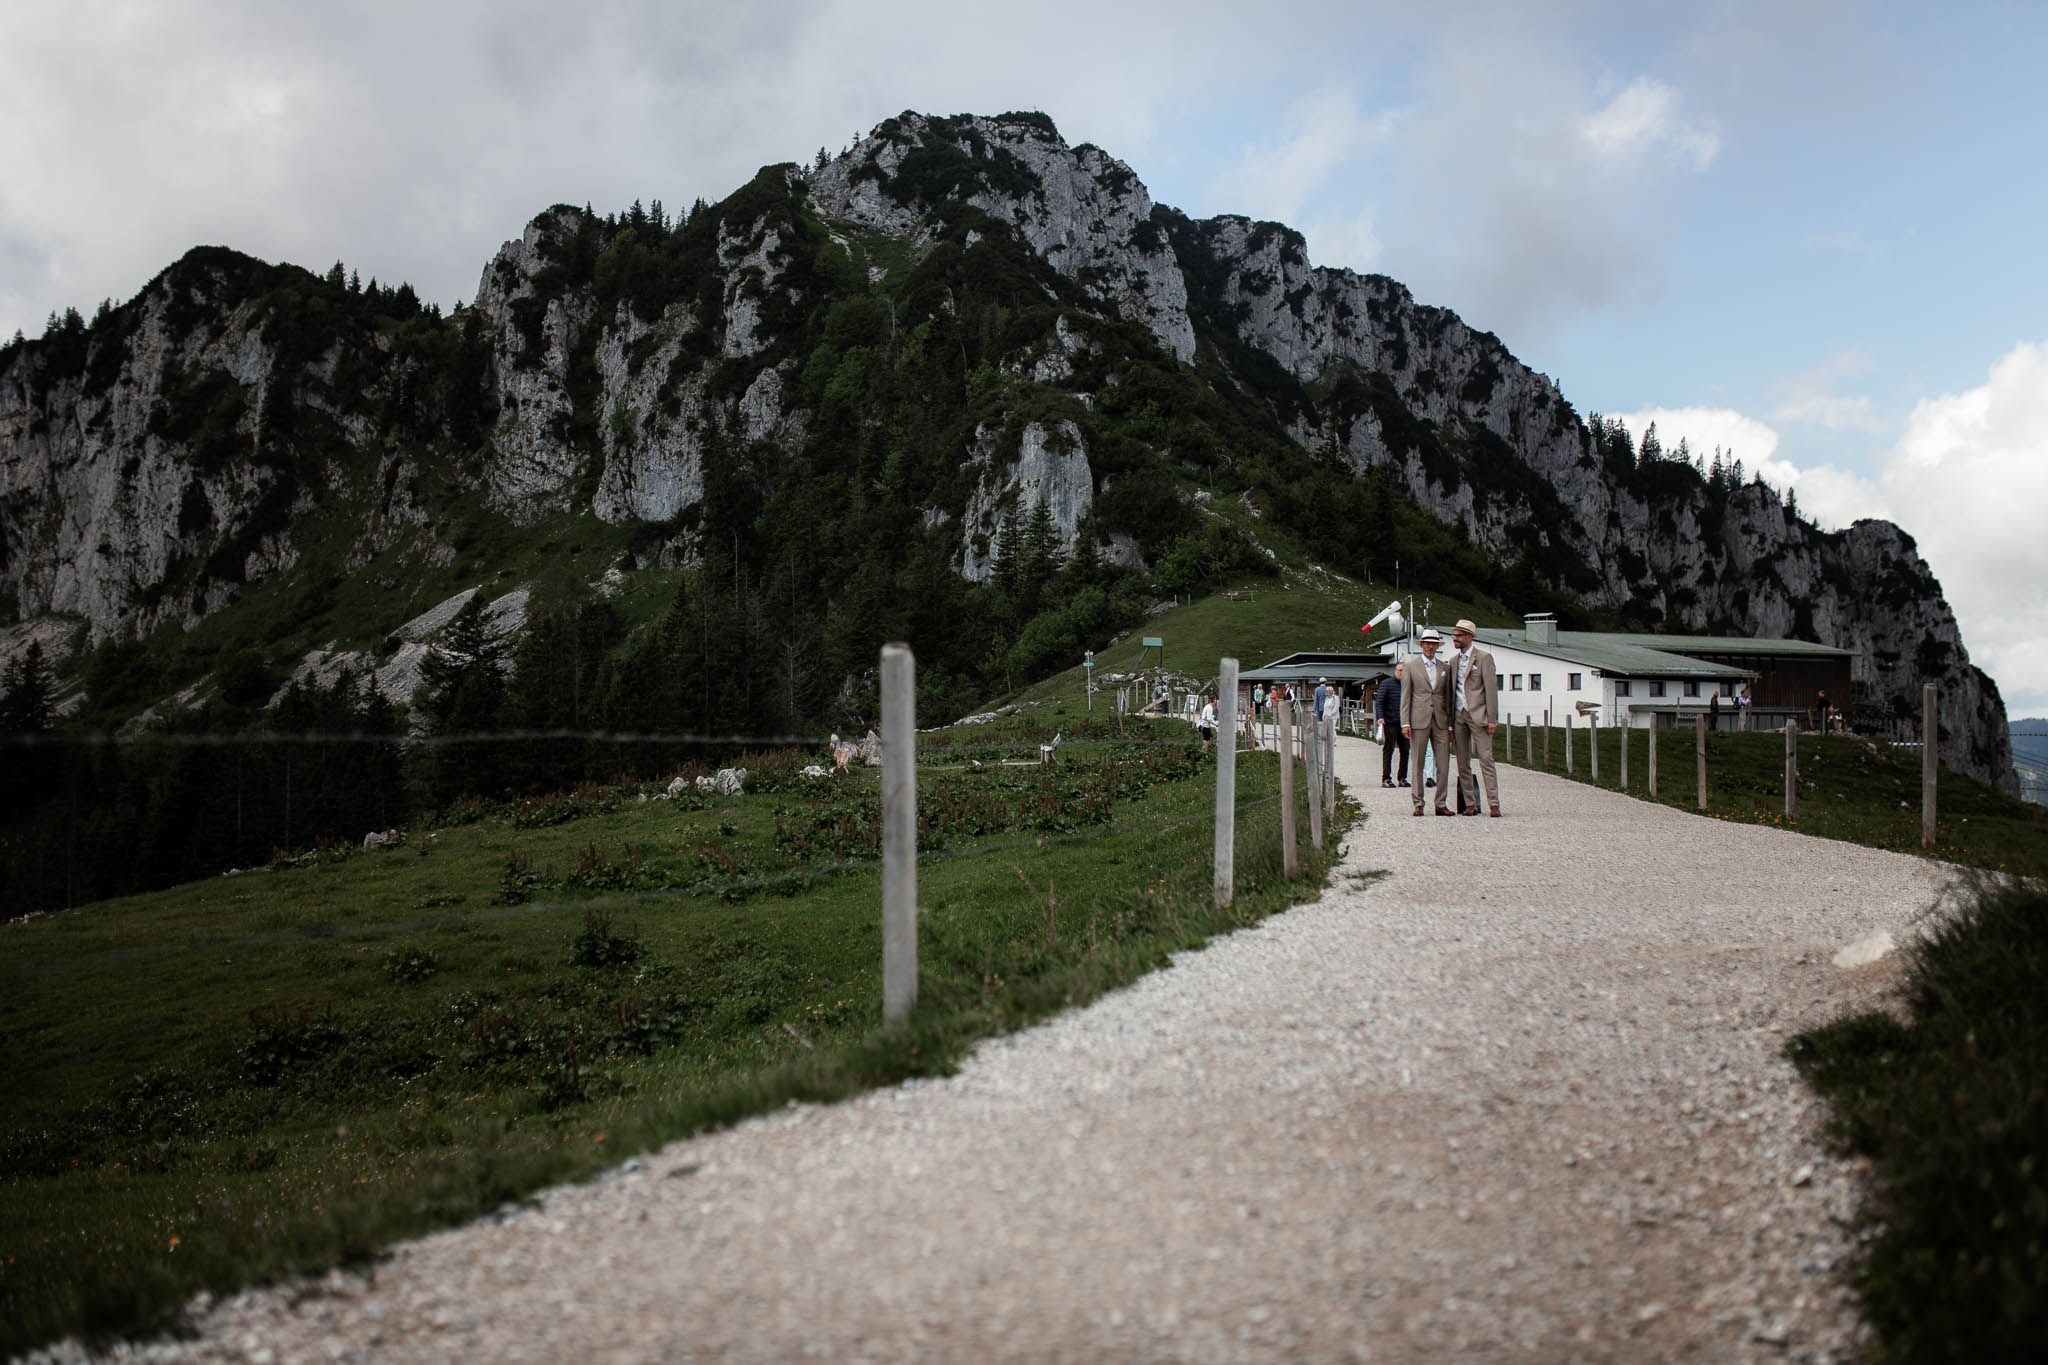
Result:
[1866,950]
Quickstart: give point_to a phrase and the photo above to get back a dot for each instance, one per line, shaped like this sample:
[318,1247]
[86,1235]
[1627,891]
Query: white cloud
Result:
[1281,176]
[1704,429]
[1645,119]
[1534,188]
[1810,396]
[1967,478]
[1344,243]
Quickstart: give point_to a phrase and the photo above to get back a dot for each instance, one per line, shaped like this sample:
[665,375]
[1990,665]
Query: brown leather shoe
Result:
[1418,810]
[1495,812]
[1443,810]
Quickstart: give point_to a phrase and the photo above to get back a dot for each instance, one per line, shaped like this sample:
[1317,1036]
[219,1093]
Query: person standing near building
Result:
[1426,713]
[1207,721]
[1478,702]
[1386,709]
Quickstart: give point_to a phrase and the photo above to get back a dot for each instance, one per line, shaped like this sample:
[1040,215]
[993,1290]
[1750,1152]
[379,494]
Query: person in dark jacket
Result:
[1386,709]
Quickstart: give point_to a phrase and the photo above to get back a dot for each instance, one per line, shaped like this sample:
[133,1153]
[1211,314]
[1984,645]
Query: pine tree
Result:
[25,707]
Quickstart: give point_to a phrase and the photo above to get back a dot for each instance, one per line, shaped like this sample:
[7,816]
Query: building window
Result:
[1692,689]
[1514,682]
[1571,681]
[1657,689]
[1727,689]
[1535,682]
[1621,687]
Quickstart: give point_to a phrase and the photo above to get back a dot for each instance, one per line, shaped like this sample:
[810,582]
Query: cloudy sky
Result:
[1808,232]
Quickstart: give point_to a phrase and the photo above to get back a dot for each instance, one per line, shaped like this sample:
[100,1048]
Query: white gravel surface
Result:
[1521,1098]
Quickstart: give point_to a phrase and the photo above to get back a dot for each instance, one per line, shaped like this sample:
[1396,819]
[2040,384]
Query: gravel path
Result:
[1521,1098]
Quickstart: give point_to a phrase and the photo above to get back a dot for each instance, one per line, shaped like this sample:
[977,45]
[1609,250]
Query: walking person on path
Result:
[1426,713]
[1207,723]
[1386,709]
[1478,694]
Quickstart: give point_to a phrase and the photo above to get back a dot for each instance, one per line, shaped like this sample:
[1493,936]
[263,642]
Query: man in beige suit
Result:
[1426,714]
[1477,689]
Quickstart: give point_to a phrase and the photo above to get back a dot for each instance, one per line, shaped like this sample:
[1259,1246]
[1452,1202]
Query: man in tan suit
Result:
[1476,687]
[1426,714]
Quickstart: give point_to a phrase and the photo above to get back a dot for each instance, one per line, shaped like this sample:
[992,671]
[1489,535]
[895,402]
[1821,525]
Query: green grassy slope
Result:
[1299,610]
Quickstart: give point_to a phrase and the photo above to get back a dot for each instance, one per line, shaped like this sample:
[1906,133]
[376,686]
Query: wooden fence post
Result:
[1226,785]
[1791,768]
[1653,757]
[1567,741]
[1546,737]
[1290,860]
[1700,744]
[899,832]
[1528,740]
[1330,768]
[1930,761]
[1312,757]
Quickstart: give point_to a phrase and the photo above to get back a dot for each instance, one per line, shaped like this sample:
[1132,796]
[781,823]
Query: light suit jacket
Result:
[1424,707]
[1482,688]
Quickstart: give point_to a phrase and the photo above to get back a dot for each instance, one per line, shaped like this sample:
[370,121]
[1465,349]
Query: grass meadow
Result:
[1850,788]
[292,1067]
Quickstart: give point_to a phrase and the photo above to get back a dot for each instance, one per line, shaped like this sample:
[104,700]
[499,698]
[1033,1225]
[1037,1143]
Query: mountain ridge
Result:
[1105,352]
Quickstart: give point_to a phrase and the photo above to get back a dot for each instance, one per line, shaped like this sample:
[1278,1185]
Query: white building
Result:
[1546,673]
[1641,680]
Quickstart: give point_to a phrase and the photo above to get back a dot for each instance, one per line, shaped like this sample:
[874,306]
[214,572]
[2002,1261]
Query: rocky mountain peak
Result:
[956,322]
[1080,209]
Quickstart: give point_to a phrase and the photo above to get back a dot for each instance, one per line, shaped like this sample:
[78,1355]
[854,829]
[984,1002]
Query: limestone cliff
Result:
[962,315]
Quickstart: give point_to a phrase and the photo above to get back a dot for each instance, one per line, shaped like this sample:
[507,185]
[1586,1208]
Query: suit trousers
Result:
[1475,744]
[1433,739]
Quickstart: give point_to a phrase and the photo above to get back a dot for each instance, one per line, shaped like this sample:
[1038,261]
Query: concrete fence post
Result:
[899,833]
[1226,785]
[1653,757]
[1791,769]
[1593,743]
[1528,740]
[1625,728]
[1700,746]
[1546,737]
[1290,859]
[1930,761]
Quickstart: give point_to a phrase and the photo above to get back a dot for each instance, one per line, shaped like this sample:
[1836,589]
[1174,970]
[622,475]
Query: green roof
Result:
[1615,653]
[1732,644]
